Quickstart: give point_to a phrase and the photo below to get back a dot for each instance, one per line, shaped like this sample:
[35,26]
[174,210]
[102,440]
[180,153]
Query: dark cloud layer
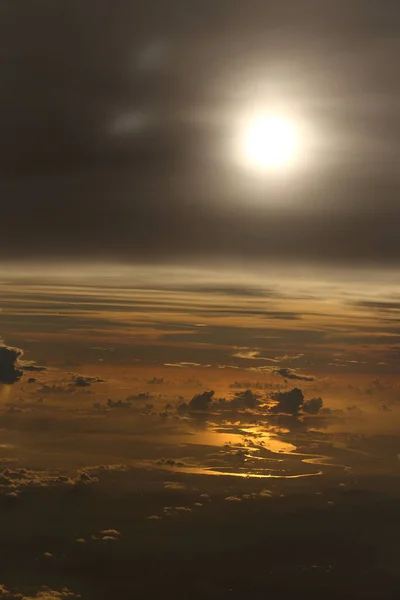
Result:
[116,118]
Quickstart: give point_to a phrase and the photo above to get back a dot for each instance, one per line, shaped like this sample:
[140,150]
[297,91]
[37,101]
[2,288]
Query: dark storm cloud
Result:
[112,133]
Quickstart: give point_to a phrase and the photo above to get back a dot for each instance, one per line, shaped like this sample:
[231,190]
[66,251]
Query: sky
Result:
[199,355]
[117,143]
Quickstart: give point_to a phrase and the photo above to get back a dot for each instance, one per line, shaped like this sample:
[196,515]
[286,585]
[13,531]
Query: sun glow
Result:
[270,142]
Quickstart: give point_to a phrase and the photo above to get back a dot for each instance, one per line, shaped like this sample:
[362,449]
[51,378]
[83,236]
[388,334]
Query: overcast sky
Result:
[118,119]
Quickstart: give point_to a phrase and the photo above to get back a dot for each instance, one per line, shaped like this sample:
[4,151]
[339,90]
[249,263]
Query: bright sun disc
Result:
[270,142]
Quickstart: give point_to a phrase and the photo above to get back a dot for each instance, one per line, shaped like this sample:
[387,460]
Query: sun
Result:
[270,142]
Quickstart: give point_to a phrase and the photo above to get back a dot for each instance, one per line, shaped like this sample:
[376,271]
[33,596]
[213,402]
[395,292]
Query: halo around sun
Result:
[269,142]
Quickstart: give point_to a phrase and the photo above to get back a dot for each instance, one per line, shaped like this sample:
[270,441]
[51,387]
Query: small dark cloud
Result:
[248,354]
[229,290]
[289,402]
[378,386]
[354,409]
[286,316]
[287,373]
[170,462]
[257,385]
[378,305]
[19,480]
[86,381]
[118,403]
[32,367]
[69,387]
[10,371]
[242,400]
[14,410]
[313,406]
[292,402]
[174,485]
[245,399]
[156,381]
[140,396]
[85,478]
[126,404]
[174,511]
[202,401]
[56,389]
